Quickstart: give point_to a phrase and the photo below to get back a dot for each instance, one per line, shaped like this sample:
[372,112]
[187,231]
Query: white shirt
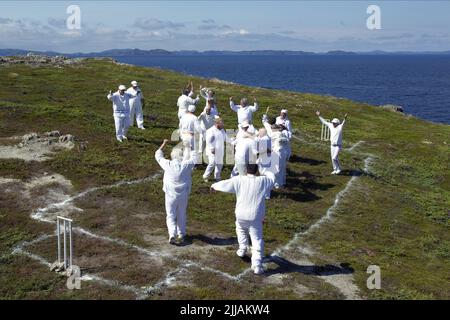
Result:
[245,151]
[335,132]
[215,140]
[121,103]
[285,122]
[264,145]
[250,194]
[280,139]
[244,113]
[184,102]
[189,124]
[207,120]
[177,174]
[136,101]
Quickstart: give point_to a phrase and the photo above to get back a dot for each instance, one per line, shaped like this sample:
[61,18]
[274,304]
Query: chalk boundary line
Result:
[184,264]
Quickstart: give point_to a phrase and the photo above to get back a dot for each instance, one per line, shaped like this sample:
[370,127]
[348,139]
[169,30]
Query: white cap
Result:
[122,87]
[284,111]
[191,108]
[245,124]
[335,120]
[134,83]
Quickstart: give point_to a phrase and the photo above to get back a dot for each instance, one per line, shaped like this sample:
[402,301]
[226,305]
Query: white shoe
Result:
[258,270]
[142,128]
[119,139]
[241,253]
[334,172]
[206,180]
[277,186]
[124,138]
[337,172]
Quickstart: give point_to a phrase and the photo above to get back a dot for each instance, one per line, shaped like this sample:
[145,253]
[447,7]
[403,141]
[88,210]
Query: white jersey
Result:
[335,132]
[137,96]
[244,113]
[177,174]
[250,194]
[215,140]
[121,103]
[189,124]
[183,103]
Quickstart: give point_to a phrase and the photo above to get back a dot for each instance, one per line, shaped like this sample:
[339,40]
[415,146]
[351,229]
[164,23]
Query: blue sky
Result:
[225,25]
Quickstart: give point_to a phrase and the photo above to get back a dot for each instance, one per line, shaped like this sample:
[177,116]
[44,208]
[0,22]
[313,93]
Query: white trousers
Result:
[136,109]
[279,166]
[255,230]
[176,214]
[121,123]
[335,157]
[215,165]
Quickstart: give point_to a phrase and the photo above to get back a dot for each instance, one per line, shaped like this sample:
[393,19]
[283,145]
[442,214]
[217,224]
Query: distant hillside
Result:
[162,52]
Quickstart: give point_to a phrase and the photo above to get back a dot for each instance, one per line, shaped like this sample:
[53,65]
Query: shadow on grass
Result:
[300,187]
[209,240]
[312,162]
[285,266]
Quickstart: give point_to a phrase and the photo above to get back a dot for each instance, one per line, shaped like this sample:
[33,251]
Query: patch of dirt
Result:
[37,147]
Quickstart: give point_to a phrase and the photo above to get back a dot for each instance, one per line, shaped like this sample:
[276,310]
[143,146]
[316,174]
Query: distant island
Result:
[162,52]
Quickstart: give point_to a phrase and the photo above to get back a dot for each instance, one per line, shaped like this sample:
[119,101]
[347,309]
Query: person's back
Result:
[251,196]
[177,174]
[245,150]
[189,123]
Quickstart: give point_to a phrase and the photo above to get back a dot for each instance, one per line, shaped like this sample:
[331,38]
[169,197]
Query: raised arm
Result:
[110,95]
[265,122]
[204,93]
[233,107]
[345,118]
[159,156]
[255,107]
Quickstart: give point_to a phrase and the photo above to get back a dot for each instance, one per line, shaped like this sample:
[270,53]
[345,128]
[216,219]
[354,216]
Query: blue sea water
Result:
[419,83]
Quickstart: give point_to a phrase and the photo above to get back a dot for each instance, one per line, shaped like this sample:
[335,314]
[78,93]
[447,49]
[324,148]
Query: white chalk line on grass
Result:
[40,215]
[141,293]
[348,293]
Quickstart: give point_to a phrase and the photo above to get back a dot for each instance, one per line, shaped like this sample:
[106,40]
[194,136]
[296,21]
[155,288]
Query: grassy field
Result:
[392,211]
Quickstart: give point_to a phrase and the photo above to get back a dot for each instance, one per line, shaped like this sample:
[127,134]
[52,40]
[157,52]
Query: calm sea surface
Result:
[419,83]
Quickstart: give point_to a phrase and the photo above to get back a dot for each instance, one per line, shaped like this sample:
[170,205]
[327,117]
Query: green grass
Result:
[396,217]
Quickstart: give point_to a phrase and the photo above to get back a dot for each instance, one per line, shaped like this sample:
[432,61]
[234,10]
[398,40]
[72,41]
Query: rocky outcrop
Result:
[393,108]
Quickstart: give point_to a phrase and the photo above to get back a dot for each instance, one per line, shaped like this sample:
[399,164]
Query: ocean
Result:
[418,83]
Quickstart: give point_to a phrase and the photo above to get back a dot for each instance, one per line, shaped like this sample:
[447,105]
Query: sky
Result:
[225,25]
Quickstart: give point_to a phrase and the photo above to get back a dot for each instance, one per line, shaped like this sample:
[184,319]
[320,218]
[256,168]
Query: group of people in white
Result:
[127,103]
[260,159]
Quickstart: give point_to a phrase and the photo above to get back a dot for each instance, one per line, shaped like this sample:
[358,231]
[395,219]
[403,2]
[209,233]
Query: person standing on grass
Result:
[284,121]
[177,184]
[335,127]
[215,149]
[250,190]
[207,120]
[245,150]
[189,128]
[136,105]
[121,111]
[280,149]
